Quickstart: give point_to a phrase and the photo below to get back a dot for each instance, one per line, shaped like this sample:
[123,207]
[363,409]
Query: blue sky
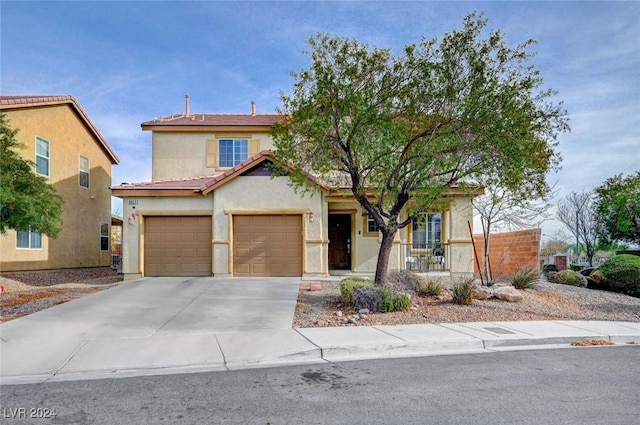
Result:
[127,62]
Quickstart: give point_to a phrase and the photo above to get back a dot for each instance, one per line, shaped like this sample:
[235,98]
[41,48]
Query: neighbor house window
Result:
[370,226]
[104,236]
[232,151]
[42,157]
[83,171]
[28,240]
[427,231]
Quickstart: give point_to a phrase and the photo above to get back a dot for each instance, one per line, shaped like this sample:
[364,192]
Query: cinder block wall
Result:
[510,251]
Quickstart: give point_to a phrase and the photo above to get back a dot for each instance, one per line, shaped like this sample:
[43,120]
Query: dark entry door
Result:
[340,241]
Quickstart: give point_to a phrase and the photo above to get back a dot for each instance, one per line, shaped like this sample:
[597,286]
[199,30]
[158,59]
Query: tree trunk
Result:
[382,267]
[487,266]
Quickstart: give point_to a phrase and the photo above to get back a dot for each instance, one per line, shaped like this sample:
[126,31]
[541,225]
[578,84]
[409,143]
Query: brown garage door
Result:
[177,246]
[267,245]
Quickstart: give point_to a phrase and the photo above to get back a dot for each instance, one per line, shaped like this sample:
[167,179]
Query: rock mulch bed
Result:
[548,301]
[28,292]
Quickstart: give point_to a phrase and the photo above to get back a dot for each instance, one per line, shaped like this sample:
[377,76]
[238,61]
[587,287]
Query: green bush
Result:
[432,287]
[575,267]
[569,277]
[368,297]
[463,292]
[350,284]
[620,273]
[525,279]
[401,302]
[549,268]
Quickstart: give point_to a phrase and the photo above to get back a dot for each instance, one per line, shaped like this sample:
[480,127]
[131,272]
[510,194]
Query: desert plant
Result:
[525,279]
[401,302]
[620,273]
[463,292]
[432,287]
[368,297]
[350,284]
[569,277]
[387,300]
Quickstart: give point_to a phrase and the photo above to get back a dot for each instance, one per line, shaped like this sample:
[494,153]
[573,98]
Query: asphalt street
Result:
[590,385]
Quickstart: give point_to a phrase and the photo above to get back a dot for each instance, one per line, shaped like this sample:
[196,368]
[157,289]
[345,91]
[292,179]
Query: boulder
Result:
[482,292]
[508,293]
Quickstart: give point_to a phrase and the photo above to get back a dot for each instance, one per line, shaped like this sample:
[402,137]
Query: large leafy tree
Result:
[618,208]
[27,201]
[401,130]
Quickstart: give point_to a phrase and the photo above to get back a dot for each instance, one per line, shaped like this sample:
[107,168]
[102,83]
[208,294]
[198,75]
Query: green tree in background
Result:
[618,209]
[400,131]
[27,201]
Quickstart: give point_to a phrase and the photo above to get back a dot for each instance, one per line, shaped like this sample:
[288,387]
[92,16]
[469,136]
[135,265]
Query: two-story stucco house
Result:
[214,208]
[70,152]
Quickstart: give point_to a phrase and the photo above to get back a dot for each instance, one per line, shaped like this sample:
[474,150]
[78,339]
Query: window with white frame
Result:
[427,231]
[42,157]
[28,240]
[83,171]
[232,151]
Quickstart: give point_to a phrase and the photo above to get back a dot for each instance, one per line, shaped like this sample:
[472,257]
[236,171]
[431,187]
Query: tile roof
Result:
[30,101]
[206,184]
[215,120]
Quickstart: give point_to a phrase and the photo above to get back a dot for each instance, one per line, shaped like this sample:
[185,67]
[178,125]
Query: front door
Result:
[340,241]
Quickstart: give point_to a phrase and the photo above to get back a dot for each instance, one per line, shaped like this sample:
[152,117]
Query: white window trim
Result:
[47,158]
[30,248]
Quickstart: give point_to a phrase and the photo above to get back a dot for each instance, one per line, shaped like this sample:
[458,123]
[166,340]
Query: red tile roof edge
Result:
[25,101]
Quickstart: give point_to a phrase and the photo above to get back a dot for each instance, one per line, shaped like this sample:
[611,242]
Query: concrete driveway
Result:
[151,321]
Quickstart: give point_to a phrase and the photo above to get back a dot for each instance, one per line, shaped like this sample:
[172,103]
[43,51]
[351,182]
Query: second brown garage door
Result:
[177,246]
[267,245]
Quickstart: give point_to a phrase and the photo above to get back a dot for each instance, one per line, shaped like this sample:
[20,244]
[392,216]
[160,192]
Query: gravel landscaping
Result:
[548,301]
[28,292]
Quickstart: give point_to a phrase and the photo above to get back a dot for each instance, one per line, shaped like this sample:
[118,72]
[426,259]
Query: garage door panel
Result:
[267,245]
[178,246]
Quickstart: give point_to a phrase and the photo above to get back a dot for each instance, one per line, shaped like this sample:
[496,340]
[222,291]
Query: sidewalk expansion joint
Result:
[312,343]
[181,310]
[66,362]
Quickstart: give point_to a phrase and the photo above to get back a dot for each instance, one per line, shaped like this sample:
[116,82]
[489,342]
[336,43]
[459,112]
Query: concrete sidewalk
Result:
[47,359]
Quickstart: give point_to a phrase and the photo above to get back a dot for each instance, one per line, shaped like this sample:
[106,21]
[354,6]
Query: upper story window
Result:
[232,151]
[42,157]
[83,171]
[28,240]
[427,231]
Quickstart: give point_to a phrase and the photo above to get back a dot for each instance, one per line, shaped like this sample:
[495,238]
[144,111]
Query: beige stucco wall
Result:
[180,155]
[133,230]
[460,247]
[78,245]
[264,195]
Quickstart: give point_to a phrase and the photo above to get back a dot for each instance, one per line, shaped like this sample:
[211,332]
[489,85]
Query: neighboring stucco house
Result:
[213,208]
[70,152]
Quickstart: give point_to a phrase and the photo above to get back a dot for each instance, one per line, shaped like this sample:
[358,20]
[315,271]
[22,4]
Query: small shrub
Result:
[463,292]
[575,267]
[401,302]
[524,279]
[569,277]
[620,273]
[387,300]
[549,268]
[432,287]
[367,297]
[350,284]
